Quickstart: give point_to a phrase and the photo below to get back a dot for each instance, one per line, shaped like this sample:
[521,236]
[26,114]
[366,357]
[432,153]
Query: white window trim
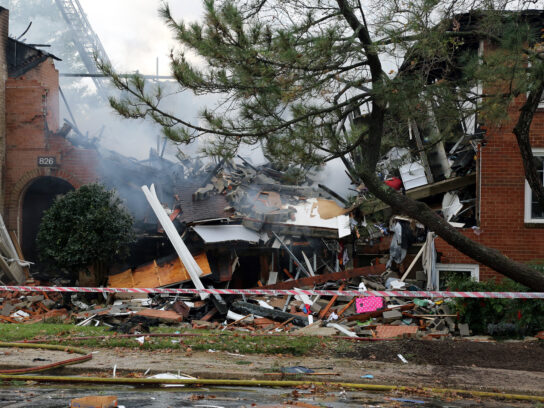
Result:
[527,218]
[474,270]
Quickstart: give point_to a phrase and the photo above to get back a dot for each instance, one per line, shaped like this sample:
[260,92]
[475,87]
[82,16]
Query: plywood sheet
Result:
[153,275]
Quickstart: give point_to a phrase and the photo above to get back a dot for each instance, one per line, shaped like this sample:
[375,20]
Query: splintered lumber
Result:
[341,312]
[209,315]
[278,315]
[167,316]
[335,276]
[413,262]
[325,310]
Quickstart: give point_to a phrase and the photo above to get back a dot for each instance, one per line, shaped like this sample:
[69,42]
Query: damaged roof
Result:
[22,57]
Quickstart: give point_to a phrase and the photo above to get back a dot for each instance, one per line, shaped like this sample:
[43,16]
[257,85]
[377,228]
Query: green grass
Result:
[236,342]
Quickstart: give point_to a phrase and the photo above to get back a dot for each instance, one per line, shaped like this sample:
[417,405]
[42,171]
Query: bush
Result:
[498,316]
[86,227]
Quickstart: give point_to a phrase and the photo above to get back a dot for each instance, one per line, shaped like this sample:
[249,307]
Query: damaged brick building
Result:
[38,162]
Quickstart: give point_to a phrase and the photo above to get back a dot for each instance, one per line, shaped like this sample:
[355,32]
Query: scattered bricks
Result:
[464,331]
[60,313]
[391,316]
[385,332]
[362,332]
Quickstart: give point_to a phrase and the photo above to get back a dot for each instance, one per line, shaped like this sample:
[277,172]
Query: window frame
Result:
[528,196]
[474,270]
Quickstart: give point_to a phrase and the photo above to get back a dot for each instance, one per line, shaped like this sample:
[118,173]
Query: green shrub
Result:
[497,316]
[86,227]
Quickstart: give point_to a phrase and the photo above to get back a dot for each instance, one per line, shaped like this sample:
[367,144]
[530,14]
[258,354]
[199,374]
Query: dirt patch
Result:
[526,356]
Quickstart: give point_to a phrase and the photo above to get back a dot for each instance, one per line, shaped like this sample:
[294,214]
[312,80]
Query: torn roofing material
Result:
[22,57]
[307,214]
[212,234]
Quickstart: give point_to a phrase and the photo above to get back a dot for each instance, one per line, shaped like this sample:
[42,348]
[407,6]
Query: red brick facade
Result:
[31,123]
[502,198]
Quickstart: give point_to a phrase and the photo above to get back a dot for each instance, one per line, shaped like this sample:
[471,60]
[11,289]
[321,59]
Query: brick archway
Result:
[14,201]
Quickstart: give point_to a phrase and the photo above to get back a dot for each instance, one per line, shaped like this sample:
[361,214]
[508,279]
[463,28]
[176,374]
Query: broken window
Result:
[534,213]
[449,271]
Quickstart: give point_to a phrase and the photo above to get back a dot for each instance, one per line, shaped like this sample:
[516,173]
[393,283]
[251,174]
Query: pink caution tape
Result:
[281,292]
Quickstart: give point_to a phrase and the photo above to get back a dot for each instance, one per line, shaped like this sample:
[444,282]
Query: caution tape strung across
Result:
[281,292]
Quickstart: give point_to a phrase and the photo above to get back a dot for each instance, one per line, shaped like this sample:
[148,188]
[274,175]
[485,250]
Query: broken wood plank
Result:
[237,321]
[326,309]
[334,276]
[413,262]
[163,315]
[209,315]
[428,190]
[342,311]
[278,315]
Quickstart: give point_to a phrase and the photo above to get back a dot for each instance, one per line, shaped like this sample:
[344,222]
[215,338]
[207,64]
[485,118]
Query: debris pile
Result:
[364,316]
[232,224]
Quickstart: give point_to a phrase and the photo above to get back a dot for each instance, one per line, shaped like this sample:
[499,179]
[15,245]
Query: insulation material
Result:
[307,215]
[329,209]
[451,205]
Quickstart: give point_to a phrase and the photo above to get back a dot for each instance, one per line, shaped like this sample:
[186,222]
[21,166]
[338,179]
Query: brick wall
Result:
[32,119]
[502,198]
[4,28]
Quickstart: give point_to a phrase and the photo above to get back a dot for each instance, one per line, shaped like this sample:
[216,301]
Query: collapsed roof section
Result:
[22,57]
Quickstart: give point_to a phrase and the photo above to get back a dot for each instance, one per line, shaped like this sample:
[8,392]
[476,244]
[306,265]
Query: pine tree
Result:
[290,73]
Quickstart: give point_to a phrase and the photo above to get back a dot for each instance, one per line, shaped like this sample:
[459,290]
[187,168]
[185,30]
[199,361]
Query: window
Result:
[446,271]
[534,213]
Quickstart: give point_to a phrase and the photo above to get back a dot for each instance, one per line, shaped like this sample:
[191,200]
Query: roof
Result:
[212,207]
[22,57]
[213,234]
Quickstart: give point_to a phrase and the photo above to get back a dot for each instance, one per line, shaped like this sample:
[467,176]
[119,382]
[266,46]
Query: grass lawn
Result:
[234,342]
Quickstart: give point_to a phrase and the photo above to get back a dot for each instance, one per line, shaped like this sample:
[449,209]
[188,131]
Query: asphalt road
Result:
[32,396]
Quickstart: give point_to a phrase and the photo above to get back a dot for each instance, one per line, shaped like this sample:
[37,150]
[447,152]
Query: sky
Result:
[133,34]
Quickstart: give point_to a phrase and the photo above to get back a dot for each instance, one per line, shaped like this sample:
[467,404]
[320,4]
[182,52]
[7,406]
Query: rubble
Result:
[234,225]
[332,316]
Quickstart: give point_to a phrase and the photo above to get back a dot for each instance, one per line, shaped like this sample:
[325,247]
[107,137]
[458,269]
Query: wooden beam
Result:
[314,280]
[428,190]
[326,309]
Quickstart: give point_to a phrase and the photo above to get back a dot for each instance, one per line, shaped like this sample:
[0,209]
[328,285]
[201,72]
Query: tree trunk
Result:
[100,271]
[490,257]
[521,130]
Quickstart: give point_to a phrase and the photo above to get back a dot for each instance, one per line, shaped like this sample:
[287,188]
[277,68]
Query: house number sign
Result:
[47,161]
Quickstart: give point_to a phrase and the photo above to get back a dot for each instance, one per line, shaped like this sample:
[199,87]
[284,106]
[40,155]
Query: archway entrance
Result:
[38,197]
